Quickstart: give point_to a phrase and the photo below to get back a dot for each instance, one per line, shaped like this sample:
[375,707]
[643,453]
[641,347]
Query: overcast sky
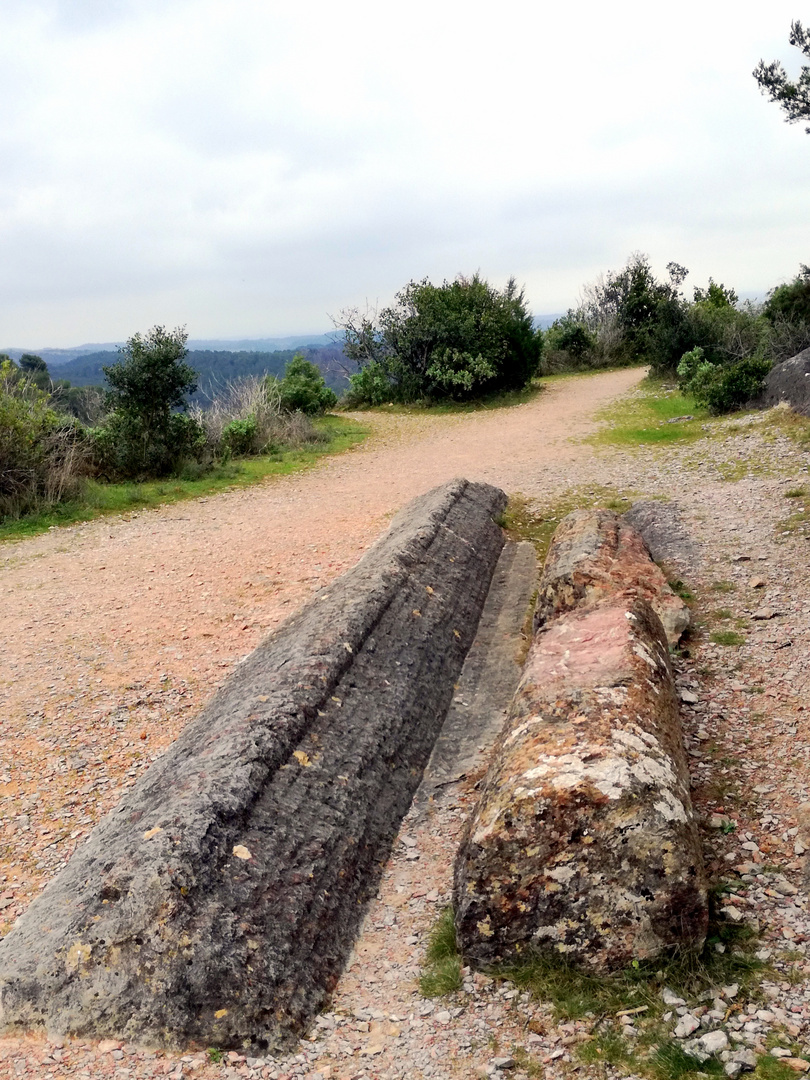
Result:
[247,168]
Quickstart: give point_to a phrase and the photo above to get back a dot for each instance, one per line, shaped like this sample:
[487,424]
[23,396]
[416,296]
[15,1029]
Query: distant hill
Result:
[58,357]
[217,367]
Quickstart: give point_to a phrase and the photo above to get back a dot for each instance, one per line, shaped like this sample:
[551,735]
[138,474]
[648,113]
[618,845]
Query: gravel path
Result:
[117,631]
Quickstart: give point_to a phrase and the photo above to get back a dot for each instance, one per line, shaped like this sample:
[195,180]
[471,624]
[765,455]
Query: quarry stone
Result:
[217,903]
[584,840]
[596,554]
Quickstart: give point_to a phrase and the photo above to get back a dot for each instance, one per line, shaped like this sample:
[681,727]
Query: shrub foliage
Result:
[459,340]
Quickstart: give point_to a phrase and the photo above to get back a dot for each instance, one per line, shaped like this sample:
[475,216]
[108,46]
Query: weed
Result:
[723,613]
[795,493]
[605,1048]
[525,519]
[723,586]
[532,1068]
[671,1062]
[682,590]
[442,972]
[215,1055]
[727,637]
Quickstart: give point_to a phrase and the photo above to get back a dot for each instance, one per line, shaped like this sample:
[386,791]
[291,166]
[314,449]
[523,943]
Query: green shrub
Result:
[303,389]
[721,387]
[239,436]
[145,435]
[462,339]
[371,385]
[42,455]
[126,446]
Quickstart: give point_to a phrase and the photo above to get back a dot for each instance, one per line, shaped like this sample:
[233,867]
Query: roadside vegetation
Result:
[140,444]
[66,451]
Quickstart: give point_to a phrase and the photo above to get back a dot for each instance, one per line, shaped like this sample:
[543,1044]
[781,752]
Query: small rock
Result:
[797,1064]
[503,1063]
[669,997]
[745,1057]
[687,1025]
[764,613]
[732,1068]
[106,1046]
[756,583]
[733,914]
[780,1052]
[714,1041]
[719,821]
[784,888]
[688,697]
[730,992]
[443,1017]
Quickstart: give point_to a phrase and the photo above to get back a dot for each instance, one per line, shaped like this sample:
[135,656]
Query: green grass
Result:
[442,971]
[101,499]
[671,1062]
[795,493]
[641,418]
[723,586]
[727,637]
[525,519]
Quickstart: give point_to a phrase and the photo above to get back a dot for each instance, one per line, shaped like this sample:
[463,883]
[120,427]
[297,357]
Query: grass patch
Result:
[103,499]
[795,493]
[726,637]
[575,992]
[671,1062]
[643,418]
[771,1068]
[524,519]
[723,586]
[442,971]
[790,423]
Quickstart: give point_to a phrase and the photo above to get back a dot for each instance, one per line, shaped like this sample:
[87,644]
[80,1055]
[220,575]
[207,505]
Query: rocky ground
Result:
[72,743]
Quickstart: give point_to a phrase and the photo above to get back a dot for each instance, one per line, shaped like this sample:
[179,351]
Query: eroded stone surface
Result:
[595,554]
[217,903]
[584,840]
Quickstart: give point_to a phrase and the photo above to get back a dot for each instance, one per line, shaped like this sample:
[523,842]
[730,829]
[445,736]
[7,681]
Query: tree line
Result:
[463,340]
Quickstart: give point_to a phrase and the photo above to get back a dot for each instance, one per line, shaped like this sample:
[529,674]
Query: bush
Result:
[125,446]
[569,345]
[145,435]
[460,340]
[719,387]
[303,389]
[371,385]
[239,437]
[43,457]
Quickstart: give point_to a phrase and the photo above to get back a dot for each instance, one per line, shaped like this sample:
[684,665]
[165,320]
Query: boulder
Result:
[584,841]
[216,905]
[788,383]
[596,554]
